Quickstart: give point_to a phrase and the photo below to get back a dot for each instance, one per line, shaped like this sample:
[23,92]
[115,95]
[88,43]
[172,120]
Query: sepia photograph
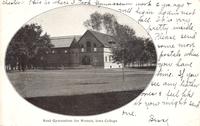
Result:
[80,60]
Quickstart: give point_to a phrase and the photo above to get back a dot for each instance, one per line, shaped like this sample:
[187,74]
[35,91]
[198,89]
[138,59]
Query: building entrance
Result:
[86,60]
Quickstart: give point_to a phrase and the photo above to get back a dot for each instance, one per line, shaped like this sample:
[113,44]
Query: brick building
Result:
[92,49]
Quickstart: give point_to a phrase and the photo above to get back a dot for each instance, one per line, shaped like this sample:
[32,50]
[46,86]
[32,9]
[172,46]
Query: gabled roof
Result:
[105,39]
[63,41]
[74,43]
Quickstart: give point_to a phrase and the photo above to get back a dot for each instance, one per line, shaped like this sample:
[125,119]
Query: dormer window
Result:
[112,42]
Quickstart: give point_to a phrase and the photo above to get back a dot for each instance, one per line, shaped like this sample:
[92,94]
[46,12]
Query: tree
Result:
[94,22]
[101,22]
[129,48]
[122,33]
[25,48]
[150,51]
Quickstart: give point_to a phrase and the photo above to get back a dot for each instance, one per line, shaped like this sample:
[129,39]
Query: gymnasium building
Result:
[92,49]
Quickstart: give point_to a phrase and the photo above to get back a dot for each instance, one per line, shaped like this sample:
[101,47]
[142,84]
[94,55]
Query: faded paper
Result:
[172,98]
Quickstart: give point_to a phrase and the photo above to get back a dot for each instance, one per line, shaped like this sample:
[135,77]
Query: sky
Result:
[69,20]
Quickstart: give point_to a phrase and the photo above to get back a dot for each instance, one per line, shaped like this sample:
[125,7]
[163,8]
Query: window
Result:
[88,46]
[82,48]
[106,59]
[41,58]
[47,52]
[112,42]
[53,51]
[95,47]
[65,51]
[110,58]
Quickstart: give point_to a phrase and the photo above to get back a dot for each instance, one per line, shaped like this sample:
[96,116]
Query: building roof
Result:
[72,41]
[63,41]
[105,39]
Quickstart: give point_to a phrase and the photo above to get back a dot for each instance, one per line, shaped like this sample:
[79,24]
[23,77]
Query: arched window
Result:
[88,46]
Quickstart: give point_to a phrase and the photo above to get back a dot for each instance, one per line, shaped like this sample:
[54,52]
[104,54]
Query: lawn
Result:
[80,91]
[39,83]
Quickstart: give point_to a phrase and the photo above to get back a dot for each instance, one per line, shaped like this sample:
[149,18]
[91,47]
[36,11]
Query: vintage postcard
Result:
[99,63]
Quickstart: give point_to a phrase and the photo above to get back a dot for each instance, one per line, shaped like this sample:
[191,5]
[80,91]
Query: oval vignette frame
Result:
[77,76]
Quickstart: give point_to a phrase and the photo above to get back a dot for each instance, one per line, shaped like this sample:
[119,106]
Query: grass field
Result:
[80,91]
[77,81]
